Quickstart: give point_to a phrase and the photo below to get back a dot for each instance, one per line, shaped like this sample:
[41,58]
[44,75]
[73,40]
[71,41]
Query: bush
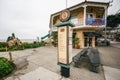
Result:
[6,67]
[23,46]
[35,45]
[26,45]
[2,49]
[3,44]
[31,45]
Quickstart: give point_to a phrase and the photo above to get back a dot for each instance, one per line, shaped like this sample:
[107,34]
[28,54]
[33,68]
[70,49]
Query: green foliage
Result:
[27,45]
[6,67]
[23,46]
[55,38]
[2,49]
[12,48]
[3,44]
[113,20]
[31,45]
[75,41]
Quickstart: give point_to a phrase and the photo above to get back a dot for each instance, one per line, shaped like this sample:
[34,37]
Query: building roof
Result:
[82,3]
[91,2]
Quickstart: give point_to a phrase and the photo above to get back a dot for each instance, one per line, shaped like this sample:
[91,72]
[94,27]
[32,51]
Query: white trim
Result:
[88,26]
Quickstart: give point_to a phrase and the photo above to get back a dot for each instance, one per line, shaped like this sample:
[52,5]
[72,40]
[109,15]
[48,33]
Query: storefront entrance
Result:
[88,42]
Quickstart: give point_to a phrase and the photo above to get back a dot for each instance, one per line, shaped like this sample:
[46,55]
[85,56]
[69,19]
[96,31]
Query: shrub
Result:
[27,45]
[35,45]
[23,46]
[3,44]
[2,49]
[6,67]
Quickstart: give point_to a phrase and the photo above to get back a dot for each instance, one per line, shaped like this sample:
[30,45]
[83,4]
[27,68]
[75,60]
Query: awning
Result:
[92,34]
[48,35]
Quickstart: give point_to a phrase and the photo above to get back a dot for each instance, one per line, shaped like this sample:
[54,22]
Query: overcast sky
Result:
[30,18]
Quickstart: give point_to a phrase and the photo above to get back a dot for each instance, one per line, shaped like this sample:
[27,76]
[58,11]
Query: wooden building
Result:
[88,17]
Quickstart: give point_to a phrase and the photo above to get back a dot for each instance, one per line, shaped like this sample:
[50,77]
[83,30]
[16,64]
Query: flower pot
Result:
[78,47]
[73,46]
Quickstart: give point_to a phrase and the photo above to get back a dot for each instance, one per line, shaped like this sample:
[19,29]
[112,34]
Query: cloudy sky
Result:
[30,18]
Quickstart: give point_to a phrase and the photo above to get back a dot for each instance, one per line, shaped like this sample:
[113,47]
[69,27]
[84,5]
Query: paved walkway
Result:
[111,73]
[45,58]
[115,44]
[41,74]
[110,56]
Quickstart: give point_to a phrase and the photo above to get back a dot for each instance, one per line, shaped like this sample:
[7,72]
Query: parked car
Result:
[103,42]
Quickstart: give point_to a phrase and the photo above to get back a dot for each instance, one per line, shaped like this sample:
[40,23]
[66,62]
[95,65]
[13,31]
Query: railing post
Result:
[105,22]
[84,22]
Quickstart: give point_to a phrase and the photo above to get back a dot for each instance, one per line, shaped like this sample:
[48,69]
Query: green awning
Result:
[92,34]
[48,35]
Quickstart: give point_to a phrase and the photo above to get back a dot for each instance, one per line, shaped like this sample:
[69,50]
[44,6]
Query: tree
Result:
[54,38]
[113,20]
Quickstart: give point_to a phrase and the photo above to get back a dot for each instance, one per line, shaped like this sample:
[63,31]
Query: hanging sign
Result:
[65,15]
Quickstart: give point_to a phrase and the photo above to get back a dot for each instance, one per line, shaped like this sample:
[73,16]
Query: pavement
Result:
[41,74]
[110,56]
[115,44]
[43,61]
[111,73]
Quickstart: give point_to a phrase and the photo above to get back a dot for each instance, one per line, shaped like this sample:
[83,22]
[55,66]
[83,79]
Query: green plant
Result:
[3,44]
[54,38]
[23,46]
[6,67]
[2,49]
[76,42]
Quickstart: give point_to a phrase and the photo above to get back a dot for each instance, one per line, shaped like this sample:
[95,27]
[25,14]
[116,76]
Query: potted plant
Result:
[76,41]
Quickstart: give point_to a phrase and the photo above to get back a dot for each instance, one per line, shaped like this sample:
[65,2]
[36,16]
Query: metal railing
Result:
[95,21]
[89,21]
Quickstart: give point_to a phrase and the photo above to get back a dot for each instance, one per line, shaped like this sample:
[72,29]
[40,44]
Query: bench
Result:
[90,56]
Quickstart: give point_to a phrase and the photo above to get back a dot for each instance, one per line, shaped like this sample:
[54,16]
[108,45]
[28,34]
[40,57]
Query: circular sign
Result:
[65,15]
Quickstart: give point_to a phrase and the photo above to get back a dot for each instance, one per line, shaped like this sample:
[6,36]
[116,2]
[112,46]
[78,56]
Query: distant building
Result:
[87,17]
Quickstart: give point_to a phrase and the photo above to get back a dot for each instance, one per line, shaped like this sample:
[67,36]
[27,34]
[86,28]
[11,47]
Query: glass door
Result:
[88,42]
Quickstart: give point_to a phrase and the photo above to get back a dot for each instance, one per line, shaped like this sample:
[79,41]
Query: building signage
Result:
[65,15]
[65,44]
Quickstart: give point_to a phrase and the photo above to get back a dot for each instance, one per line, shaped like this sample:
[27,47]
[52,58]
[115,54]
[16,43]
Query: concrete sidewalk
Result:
[41,74]
[115,44]
[44,60]
[111,73]
[45,74]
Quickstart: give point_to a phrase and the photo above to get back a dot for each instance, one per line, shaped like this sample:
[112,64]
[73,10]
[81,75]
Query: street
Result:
[110,56]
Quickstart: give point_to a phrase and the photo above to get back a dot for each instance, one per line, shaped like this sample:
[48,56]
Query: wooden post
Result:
[10,56]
